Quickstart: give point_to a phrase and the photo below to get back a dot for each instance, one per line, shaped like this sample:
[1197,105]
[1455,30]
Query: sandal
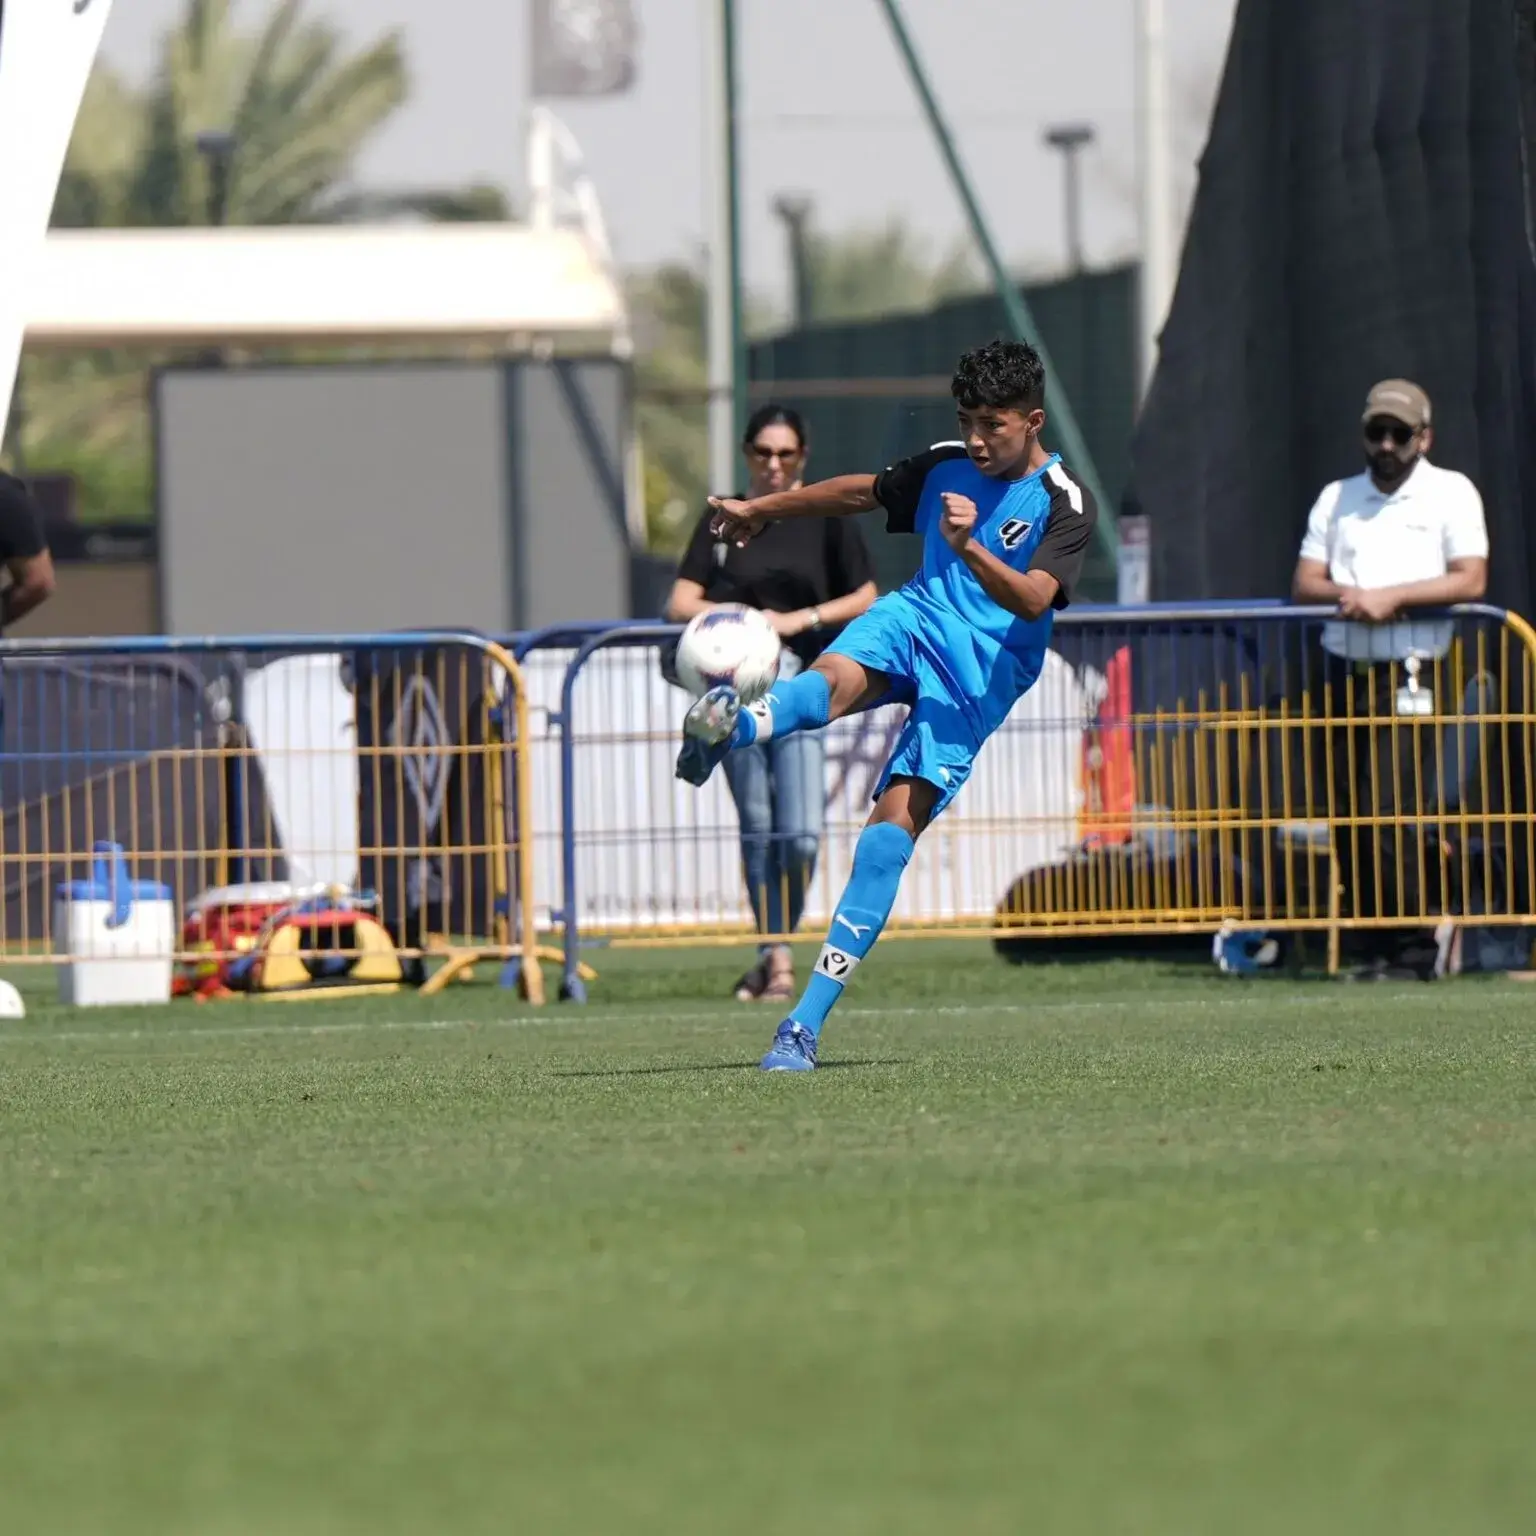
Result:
[780,982]
[752,985]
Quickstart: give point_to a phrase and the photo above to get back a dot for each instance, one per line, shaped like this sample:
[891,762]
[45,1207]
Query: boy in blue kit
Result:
[1004,529]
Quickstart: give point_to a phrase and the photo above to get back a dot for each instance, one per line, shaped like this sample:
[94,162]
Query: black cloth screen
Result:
[1364,211]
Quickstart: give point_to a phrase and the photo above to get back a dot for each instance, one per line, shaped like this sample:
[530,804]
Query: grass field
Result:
[1061,1249]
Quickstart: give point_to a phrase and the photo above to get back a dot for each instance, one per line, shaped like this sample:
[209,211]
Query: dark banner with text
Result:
[424,793]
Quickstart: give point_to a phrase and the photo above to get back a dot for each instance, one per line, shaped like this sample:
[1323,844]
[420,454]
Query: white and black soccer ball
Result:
[731,644]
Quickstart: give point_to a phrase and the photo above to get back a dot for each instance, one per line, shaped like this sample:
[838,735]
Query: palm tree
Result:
[866,273]
[668,305]
[299,108]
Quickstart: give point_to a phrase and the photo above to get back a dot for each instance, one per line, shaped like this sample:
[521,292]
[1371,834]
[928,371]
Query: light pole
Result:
[217,147]
[725,346]
[1010,297]
[1071,139]
[794,209]
[1159,233]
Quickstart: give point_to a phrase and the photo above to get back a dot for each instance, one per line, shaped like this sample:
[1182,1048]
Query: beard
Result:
[1387,466]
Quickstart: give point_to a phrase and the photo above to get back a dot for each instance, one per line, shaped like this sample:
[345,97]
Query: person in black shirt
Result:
[23,552]
[810,576]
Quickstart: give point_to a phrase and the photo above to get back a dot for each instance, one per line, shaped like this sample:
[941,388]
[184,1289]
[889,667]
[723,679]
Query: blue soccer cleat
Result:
[707,729]
[794,1049]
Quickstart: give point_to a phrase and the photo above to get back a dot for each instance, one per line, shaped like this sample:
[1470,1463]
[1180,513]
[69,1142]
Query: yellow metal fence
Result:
[346,784]
[1173,771]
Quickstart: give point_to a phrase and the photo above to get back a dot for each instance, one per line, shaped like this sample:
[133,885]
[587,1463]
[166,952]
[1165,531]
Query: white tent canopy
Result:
[336,283]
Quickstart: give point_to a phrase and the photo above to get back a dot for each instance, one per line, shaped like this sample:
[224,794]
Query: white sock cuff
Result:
[836,964]
[762,718]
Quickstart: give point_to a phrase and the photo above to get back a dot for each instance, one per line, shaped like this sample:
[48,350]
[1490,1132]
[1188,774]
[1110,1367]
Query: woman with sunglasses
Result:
[810,576]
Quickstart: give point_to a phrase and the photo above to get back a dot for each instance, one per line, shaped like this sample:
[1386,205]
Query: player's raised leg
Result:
[884,848]
[835,686]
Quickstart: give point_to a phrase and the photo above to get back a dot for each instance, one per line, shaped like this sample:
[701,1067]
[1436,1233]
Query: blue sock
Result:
[801,703]
[878,860]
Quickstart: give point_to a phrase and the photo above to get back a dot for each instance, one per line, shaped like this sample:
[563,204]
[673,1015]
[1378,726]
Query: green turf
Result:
[1060,1249]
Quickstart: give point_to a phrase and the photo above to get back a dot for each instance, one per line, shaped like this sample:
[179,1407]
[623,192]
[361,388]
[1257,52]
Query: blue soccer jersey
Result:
[1044,521]
[960,659]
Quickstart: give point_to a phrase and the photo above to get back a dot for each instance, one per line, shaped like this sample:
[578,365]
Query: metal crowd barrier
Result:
[1176,770]
[386,775]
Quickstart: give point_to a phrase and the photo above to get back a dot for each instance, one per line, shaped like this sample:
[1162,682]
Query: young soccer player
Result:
[1004,531]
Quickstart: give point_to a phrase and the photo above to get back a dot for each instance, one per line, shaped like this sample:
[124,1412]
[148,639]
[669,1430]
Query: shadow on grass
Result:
[724,1066]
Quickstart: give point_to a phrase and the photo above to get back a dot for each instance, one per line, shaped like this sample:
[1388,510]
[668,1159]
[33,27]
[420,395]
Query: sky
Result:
[826,110]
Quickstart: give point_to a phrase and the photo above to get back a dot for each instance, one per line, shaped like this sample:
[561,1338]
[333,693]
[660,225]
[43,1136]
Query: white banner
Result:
[47,48]
[654,852]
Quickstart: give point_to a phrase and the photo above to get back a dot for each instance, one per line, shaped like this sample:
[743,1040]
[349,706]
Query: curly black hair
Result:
[1003,375]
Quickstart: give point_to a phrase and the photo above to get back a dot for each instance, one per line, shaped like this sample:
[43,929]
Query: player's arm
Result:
[841,496]
[898,489]
[1027,595]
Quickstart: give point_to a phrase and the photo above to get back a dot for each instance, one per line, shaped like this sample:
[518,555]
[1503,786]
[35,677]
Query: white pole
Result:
[720,371]
[1159,239]
[541,171]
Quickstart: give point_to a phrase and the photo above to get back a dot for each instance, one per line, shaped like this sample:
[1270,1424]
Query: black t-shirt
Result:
[21,528]
[20,523]
[797,562]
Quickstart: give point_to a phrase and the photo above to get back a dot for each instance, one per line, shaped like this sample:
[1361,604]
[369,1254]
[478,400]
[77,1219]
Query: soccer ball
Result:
[730,644]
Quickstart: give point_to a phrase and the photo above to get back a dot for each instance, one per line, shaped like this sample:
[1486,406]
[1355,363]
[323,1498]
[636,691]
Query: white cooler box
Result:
[120,935]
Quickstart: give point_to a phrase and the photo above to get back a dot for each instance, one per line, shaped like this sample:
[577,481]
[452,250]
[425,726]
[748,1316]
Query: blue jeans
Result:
[780,794]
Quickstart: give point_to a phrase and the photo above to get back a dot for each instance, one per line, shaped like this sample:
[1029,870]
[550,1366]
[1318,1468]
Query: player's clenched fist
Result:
[959,520]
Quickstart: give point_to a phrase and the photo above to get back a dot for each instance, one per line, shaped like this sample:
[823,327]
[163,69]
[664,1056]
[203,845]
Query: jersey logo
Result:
[1064,482]
[1011,534]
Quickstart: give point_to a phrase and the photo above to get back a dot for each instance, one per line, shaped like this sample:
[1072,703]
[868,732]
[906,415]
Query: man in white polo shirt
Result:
[1403,535]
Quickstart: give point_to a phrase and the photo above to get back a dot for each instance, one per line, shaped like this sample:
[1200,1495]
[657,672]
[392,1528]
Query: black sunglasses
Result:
[767,455]
[1380,431]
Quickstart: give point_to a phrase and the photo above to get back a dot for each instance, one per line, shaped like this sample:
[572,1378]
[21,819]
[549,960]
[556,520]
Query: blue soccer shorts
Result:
[940,740]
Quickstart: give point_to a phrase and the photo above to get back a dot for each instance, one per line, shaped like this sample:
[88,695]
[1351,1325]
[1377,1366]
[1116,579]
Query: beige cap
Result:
[1399,400]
